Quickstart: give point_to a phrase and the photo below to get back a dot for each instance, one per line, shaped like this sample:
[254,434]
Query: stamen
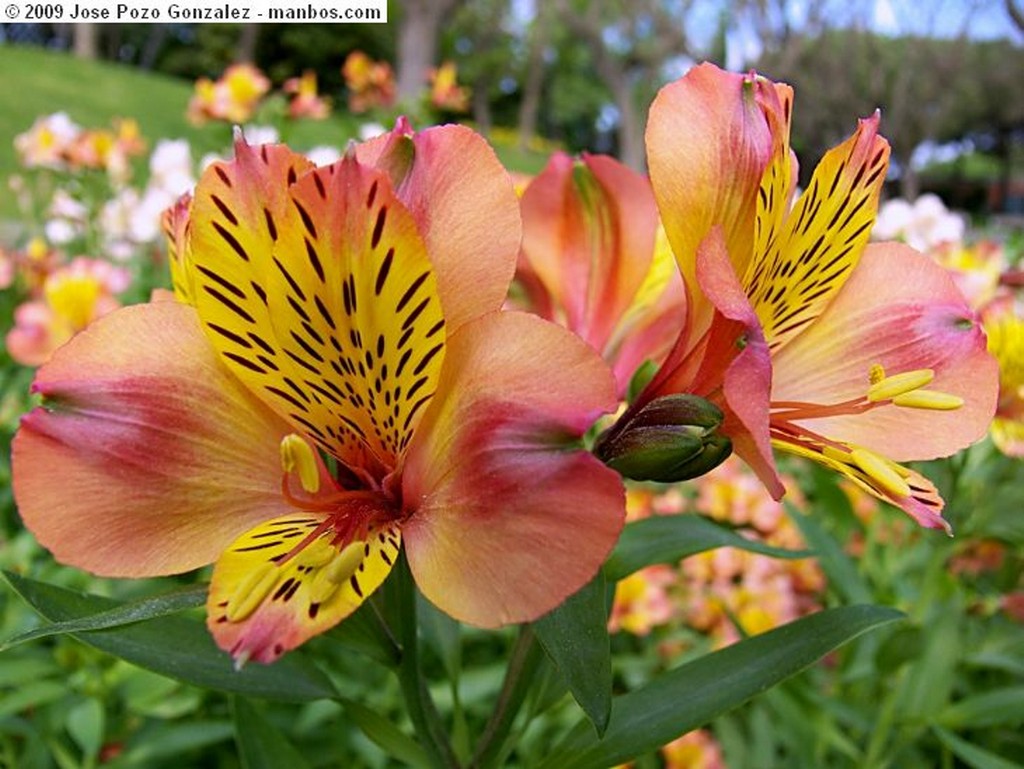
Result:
[251,591]
[929,399]
[881,471]
[876,374]
[297,457]
[344,565]
[898,384]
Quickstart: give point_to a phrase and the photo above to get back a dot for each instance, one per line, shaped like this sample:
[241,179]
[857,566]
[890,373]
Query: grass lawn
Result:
[92,93]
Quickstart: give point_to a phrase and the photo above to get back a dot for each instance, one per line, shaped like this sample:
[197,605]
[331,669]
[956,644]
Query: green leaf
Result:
[442,635]
[575,637]
[260,744]
[85,725]
[991,708]
[135,611]
[178,647]
[670,538]
[837,565]
[972,755]
[386,735]
[694,693]
[148,746]
[364,632]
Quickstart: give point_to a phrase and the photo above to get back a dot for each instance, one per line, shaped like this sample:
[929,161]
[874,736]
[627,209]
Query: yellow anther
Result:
[845,457]
[344,565]
[251,591]
[297,457]
[929,399]
[346,562]
[876,373]
[898,384]
[881,471]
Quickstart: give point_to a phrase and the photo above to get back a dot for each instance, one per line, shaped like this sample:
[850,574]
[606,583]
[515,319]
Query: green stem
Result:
[422,710]
[526,656]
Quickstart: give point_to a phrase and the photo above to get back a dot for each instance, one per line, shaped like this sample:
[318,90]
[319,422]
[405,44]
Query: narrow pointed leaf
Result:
[575,637]
[838,566]
[260,744]
[364,632]
[991,708]
[386,735]
[693,694]
[670,538]
[177,647]
[972,755]
[135,611]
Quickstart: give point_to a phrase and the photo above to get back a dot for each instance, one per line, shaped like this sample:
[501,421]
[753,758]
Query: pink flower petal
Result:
[507,518]
[901,310]
[588,234]
[147,456]
[465,207]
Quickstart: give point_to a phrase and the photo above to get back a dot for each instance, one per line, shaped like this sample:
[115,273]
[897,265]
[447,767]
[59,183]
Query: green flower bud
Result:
[670,439]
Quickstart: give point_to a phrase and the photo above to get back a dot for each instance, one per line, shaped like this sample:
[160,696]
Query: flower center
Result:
[349,514]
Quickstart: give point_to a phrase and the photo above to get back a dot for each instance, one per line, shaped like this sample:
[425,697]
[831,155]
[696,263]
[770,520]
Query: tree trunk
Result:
[417,44]
[910,182]
[533,83]
[482,106]
[86,41]
[245,51]
[632,151]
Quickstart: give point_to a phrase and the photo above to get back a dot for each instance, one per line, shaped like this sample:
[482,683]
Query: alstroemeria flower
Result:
[595,259]
[306,101]
[233,97]
[354,309]
[71,298]
[445,91]
[370,83]
[809,341]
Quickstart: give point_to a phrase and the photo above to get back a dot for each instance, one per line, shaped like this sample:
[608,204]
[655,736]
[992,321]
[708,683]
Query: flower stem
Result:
[526,656]
[422,710]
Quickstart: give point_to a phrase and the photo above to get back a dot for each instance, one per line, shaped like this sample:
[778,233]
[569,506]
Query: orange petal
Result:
[508,518]
[465,207]
[266,599]
[148,456]
[708,144]
[588,234]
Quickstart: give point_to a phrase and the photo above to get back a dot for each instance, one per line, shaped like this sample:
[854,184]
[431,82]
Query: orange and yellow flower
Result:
[306,101]
[445,91]
[350,312]
[71,298]
[233,98]
[811,341]
[371,84]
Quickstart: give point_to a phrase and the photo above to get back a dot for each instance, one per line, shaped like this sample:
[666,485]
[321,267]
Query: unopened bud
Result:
[670,439]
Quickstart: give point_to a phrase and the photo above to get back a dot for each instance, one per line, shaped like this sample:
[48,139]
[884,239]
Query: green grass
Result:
[41,82]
